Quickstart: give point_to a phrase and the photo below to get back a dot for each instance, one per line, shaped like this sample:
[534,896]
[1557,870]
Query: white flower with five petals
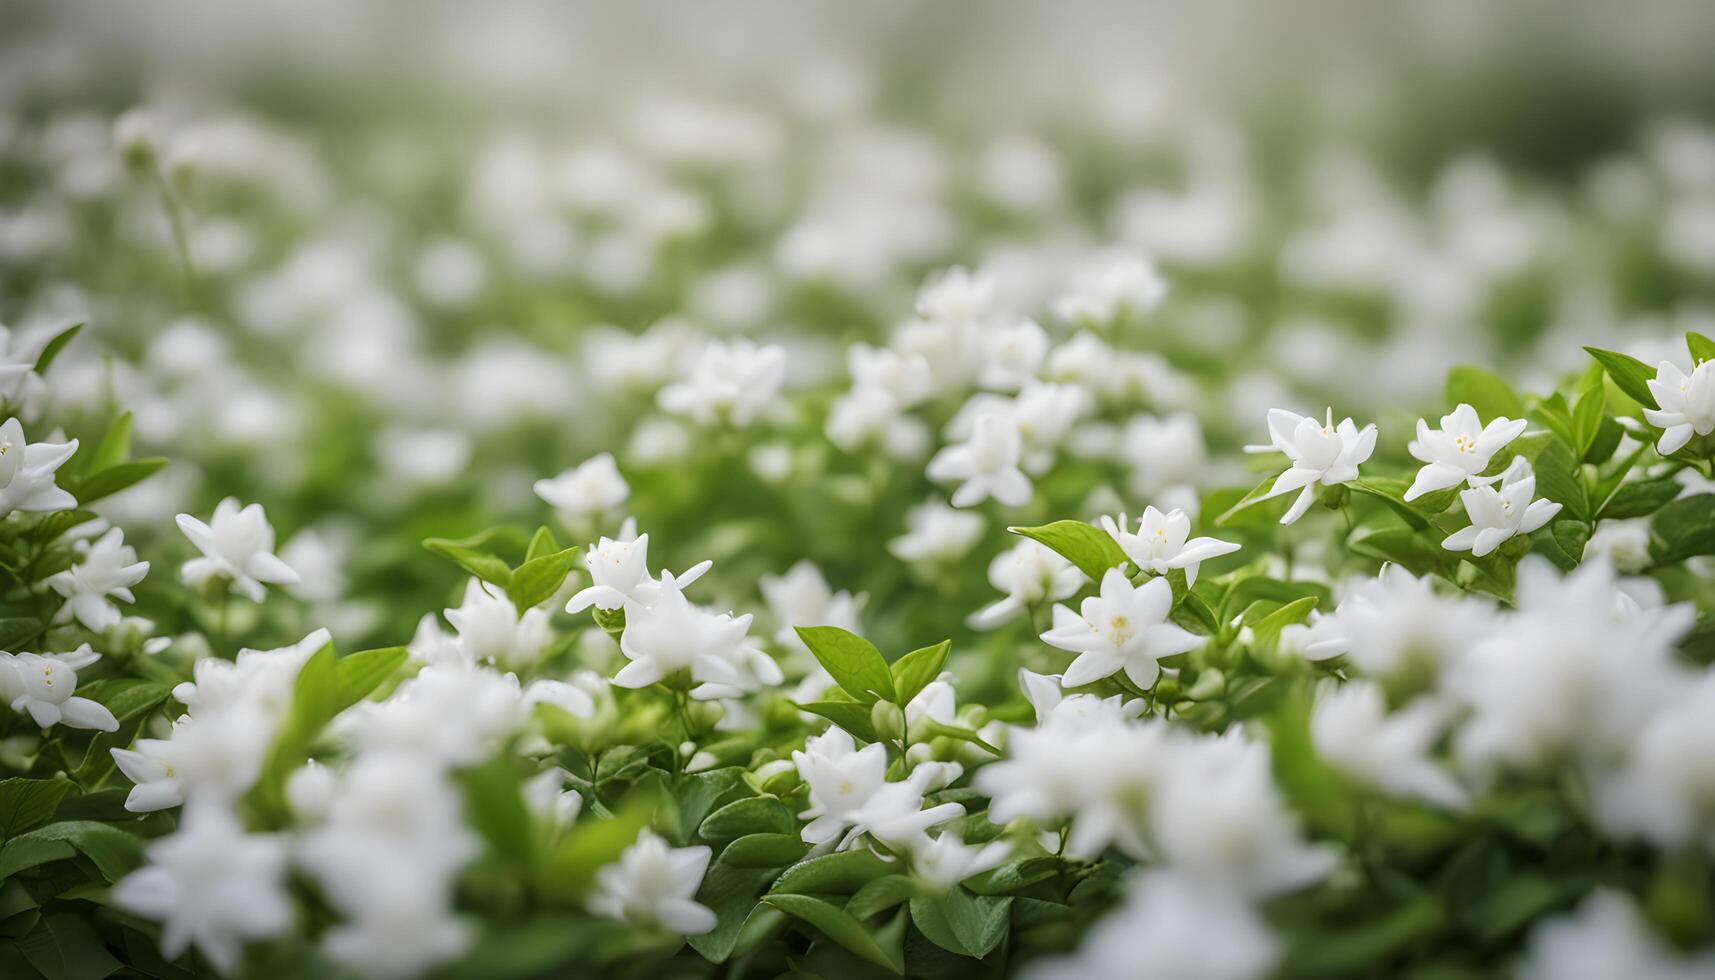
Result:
[106,569]
[1497,515]
[987,464]
[1321,453]
[1125,628]
[1458,451]
[655,885]
[237,543]
[1162,543]
[27,472]
[45,686]
[1687,404]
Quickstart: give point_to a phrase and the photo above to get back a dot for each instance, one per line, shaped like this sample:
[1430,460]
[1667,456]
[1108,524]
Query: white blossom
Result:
[239,544]
[1161,543]
[1030,574]
[1320,454]
[1497,515]
[586,491]
[1123,627]
[655,885]
[106,569]
[1458,451]
[1354,732]
[987,465]
[850,794]
[733,382]
[45,687]
[1686,404]
[27,472]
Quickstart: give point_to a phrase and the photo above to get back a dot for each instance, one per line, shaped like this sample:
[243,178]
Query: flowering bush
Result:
[922,581]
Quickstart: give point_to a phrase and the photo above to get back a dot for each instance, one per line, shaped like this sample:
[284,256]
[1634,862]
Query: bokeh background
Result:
[389,263]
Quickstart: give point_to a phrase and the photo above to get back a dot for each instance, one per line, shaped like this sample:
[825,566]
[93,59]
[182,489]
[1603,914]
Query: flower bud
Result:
[888,721]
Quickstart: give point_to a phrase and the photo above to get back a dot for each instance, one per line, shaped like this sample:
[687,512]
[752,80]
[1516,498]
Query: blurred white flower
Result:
[492,630]
[802,597]
[986,465]
[655,885]
[1353,730]
[1029,573]
[732,381]
[212,885]
[936,533]
[239,544]
[1112,287]
[1604,938]
[589,490]
[850,794]
[943,861]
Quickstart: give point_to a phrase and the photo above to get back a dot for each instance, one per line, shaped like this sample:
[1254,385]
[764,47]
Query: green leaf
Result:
[63,946]
[1090,548]
[1587,418]
[115,478]
[914,671]
[1683,529]
[494,808]
[1641,498]
[315,700]
[542,543]
[1702,348]
[854,663]
[849,715]
[1630,374]
[929,728]
[54,346]
[596,843]
[1565,543]
[114,447]
[841,873]
[962,923]
[755,815]
[1483,391]
[15,628]
[1560,479]
[538,579]
[467,554]
[114,852]
[765,851]
[1392,493]
[1267,630]
[1413,551]
[1357,950]
[131,702]
[359,674]
[731,893]
[881,894]
[26,804]
[839,926]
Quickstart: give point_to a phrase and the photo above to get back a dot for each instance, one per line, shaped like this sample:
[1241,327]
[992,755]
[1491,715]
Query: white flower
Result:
[212,885]
[547,797]
[1606,938]
[987,464]
[655,885]
[1012,356]
[731,381]
[1164,452]
[1497,515]
[850,794]
[1215,813]
[588,490]
[318,558]
[1458,451]
[1160,544]
[491,629]
[1029,573]
[106,567]
[1397,627]
[1354,732]
[936,533]
[1687,404]
[45,686]
[568,697]
[150,764]
[802,597]
[1665,793]
[1122,628]
[618,568]
[19,382]
[956,296]
[671,635]
[1171,925]
[238,544]
[27,472]
[903,377]
[943,861]
[1110,287]
[1323,454]
[1576,671]
[1625,543]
